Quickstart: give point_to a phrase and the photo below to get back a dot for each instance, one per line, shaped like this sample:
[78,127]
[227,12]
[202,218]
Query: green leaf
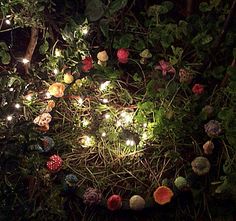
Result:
[94,9]
[234,52]
[44,47]
[206,39]
[168,5]
[6,58]
[123,41]
[137,78]
[117,5]
[147,107]
[219,72]
[41,8]
[104,26]
[139,45]
[3,46]
[204,7]
[232,73]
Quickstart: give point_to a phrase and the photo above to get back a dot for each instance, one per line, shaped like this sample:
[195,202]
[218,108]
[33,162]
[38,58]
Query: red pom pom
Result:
[123,55]
[87,64]
[198,89]
[54,164]
[114,202]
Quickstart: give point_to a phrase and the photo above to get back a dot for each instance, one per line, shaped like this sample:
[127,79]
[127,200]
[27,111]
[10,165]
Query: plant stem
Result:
[31,47]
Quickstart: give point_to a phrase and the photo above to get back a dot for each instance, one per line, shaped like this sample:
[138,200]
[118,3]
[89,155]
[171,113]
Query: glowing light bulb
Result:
[86,122]
[118,123]
[17,106]
[9,118]
[104,134]
[48,95]
[28,97]
[85,30]
[127,117]
[107,116]
[11,89]
[104,85]
[7,21]
[25,61]
[55,71]
[105,101]
[145,136]
[130,142]
[57,52]
[88,141]
[80,101]
[145,125]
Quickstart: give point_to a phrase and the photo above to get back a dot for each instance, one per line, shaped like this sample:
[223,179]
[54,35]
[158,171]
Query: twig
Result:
[189,8]
[31,47]
[9,29]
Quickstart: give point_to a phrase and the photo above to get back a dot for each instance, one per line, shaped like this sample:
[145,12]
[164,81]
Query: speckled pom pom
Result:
[55,163]
[213,128]
[92,196]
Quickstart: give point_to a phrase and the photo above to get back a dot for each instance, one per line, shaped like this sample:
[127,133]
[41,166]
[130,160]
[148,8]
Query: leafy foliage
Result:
[146,126]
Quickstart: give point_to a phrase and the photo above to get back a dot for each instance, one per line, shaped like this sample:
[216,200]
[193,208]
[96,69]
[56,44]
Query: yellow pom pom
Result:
[68,78]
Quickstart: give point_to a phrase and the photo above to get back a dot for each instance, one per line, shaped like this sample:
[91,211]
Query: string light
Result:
[144,136]
[88,141]
[48,95]
[118,123]
[105,101]
[80,101]
[57,52]
[85,122]
[104,85]
[55,71]
[11,89]
[107,116]
[145,125]
[9,118]
[17,106]
[104,134]
[25,61]
[85,30]
[127,117]
[28,97]
[130,142]
[8,22]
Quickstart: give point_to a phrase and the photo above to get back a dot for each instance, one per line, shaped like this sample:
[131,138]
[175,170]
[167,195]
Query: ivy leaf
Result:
[117,5]
[94,9]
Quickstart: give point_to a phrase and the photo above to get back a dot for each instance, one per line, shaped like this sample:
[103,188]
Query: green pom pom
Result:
[181,183]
